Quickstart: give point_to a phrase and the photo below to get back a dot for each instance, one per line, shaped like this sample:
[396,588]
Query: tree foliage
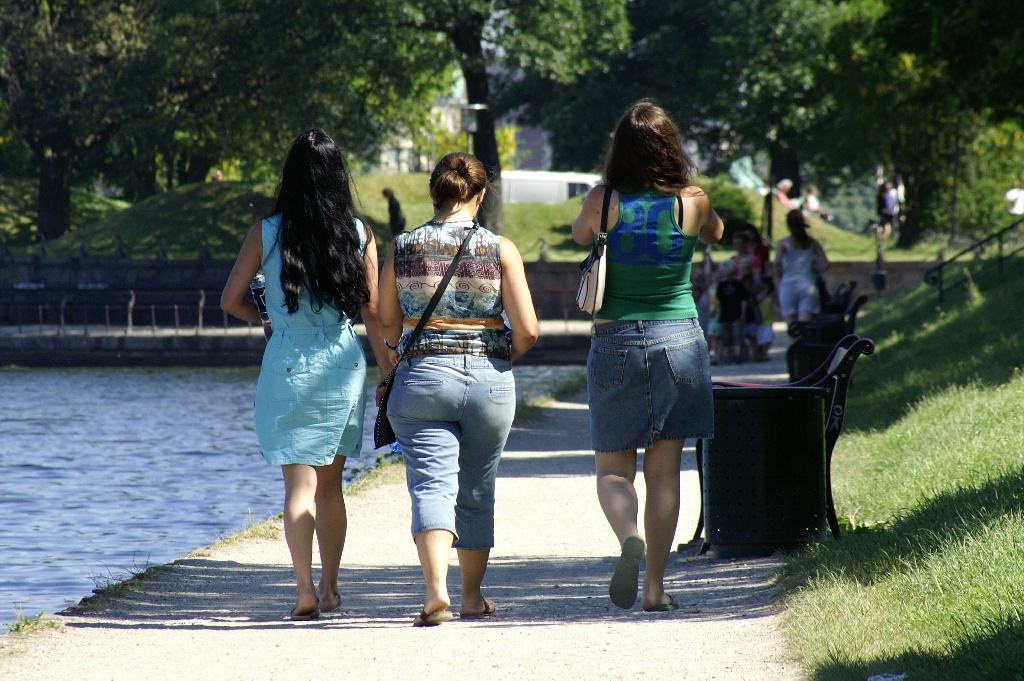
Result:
[166,88]
[832,89]
[66,70]
[557,39]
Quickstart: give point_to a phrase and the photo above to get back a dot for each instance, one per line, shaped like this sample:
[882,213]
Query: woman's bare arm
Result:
[588,222]
[234,299]
[516,298]
[699,218]
[369,311]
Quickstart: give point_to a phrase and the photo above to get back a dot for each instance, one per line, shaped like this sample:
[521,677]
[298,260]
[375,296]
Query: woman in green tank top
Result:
[648,372]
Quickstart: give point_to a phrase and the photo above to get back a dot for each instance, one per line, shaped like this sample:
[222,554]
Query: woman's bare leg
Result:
[615,475]
[434,548]
[661,515]
[331,528]
[299,524]
[473,567]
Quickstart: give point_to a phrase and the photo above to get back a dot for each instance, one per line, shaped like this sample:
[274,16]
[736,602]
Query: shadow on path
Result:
[203,594]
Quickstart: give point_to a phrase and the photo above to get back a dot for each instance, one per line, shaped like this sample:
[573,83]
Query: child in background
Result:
[752,316]
[731,309]
[766,303]
[704,295]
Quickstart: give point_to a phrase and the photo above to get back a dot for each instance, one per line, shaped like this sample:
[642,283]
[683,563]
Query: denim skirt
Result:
[648,381]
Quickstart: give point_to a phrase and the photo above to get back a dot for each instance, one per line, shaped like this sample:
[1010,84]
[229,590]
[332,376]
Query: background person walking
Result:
[799,259]
[310,397]
[396,219]
[648,372]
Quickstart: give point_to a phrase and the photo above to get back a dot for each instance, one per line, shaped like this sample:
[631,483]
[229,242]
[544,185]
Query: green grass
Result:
[30,625]
[18,211]
[840,244]
[930,473]
[218,215]
[253,529]
[115,584]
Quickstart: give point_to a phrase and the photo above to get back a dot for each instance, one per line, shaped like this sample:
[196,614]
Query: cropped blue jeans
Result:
[452,415]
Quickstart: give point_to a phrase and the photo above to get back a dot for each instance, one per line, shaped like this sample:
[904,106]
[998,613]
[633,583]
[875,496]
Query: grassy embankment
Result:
[930,477]
[219,215]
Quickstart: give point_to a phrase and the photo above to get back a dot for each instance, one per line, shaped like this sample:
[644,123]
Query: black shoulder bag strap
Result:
[602,238]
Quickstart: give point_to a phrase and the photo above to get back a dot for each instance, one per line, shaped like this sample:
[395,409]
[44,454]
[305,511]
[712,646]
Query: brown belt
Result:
[451,324]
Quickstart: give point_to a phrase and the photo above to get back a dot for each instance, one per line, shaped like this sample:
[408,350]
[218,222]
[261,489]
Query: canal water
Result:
[104,472]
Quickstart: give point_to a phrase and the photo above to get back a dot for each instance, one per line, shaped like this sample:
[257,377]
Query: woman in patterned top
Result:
[454,395]
[648,372]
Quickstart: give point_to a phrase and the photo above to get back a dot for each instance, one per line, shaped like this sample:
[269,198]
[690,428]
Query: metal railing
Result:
[944,275]
[115,311]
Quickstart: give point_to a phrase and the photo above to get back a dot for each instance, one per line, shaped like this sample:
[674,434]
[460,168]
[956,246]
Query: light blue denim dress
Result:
[311,392]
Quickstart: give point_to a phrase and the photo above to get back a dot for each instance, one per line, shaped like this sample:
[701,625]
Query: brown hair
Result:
[797,224]
[457,177]
[647,152]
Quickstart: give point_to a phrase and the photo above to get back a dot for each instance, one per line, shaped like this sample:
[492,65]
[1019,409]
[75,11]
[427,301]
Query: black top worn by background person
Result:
[731,294]
[396,221]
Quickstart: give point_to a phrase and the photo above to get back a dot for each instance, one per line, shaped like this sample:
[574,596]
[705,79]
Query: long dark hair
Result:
[797,224]
[319,241]
[647,152]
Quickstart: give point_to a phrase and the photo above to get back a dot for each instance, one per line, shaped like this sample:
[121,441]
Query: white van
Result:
[544,186]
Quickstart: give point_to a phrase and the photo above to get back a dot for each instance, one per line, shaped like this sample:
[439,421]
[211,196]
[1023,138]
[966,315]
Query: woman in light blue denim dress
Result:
[648,372]
[454,396]
[319,261]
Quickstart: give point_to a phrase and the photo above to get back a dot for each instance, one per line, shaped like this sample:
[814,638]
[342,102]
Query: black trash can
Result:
[764,481]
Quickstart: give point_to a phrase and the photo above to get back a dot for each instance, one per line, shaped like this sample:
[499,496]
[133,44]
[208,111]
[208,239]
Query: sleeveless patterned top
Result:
[471,302]
[649,259]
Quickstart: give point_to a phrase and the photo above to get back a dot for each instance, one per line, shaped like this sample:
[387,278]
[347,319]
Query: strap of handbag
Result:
[436,298]
[602,238]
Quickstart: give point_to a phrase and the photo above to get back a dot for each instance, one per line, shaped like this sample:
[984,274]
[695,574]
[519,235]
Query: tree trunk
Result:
[467,39]
[911,213]
[485,146]
[142,180]
[198,168]
[786,166]
[54,192]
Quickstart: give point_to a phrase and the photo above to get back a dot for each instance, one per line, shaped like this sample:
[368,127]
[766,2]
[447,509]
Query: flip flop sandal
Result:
[489,609]
[432,619]
[337,604]
[623,588]
[305,616]
[664,607]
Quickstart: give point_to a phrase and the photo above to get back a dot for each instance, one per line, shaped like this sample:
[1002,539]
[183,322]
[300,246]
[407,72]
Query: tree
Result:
[250,76]
[737,76]
[559,39]
[65,69]
[835,88]
[979,45]
[112,87]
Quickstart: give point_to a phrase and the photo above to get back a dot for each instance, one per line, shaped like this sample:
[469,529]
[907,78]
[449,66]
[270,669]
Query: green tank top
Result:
[649,259]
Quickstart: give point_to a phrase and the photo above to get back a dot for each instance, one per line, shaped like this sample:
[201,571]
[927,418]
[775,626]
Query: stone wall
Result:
[116,274]
[553,284]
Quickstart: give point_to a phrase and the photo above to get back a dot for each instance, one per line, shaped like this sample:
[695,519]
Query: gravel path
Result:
[219,613]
